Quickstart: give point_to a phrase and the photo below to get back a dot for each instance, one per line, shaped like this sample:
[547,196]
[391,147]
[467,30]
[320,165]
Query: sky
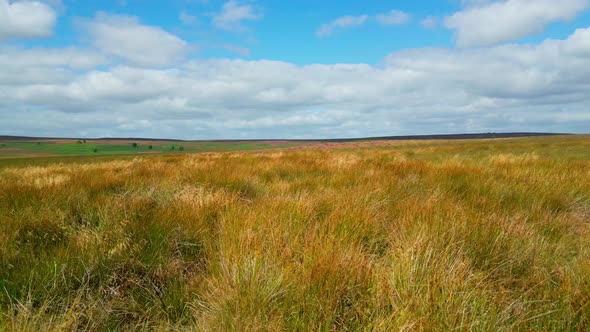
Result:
[271,69]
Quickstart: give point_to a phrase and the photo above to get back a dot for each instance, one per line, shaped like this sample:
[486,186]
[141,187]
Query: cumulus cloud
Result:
[343,22]
[126,38]
[394,17]
[27,67]
[74,58]
[579,43]
[485,23]
[26,19]
[543,87]
[233,14]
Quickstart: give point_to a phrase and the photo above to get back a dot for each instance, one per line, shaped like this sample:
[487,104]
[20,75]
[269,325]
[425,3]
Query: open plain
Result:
[482,235]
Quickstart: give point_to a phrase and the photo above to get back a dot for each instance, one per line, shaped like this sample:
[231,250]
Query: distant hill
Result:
[381,138]
[28,138]
[450,136]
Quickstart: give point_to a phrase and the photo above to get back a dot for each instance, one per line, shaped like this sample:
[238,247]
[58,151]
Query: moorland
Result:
[486,235]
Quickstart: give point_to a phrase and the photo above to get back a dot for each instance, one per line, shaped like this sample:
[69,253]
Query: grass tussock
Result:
[479,235]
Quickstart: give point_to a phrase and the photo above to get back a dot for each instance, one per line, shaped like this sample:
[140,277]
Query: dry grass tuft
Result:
[414,236]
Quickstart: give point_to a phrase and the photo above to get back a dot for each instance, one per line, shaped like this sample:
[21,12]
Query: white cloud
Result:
[74,58]
[57,4]
[125,37]
[543,87]
[26,19]
[394,17]
[475,3]
[118,87]
[232,15]
[23,67]
[187,19]
[328,29]
[492,23]
[429,22]
[579,43]
[237,49]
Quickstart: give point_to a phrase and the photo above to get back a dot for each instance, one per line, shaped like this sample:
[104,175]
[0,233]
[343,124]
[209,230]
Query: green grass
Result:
[91,148]
[484,235]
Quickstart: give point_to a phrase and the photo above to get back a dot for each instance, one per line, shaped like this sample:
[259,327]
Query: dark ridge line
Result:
[379,138]
[448,137]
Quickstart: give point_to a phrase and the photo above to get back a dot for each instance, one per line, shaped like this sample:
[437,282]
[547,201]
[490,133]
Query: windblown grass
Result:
[480,235]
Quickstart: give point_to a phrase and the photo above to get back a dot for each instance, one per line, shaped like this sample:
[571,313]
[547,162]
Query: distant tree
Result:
[84,141]
[181,148]
[172,148]
[134,145]
[150,147]
[95,150]
[79,142]
[38,143]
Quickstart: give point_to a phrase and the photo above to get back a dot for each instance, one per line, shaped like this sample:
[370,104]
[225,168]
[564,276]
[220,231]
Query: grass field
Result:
[70,147]
[484,235]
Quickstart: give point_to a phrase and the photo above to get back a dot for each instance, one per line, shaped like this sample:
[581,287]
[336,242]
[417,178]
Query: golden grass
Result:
[479,235]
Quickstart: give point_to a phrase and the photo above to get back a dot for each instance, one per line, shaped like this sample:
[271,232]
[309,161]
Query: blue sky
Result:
[286,69]
[286,30]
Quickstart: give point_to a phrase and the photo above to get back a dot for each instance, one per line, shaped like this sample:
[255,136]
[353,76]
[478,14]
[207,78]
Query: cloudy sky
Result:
[209,69]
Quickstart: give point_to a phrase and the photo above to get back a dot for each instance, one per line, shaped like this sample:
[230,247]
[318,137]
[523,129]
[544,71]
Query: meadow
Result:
[73,147]
[484,235]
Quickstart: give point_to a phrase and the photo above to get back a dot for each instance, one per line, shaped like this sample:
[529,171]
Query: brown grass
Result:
[414,236]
